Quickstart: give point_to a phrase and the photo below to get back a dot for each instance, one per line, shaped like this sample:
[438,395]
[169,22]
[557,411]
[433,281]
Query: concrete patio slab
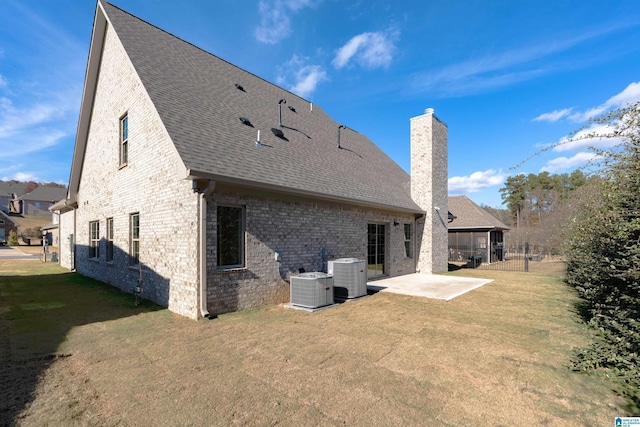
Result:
[428,285]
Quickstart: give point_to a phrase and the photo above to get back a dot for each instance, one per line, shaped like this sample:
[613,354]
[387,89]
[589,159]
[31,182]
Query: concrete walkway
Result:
[428,285]
[9,252]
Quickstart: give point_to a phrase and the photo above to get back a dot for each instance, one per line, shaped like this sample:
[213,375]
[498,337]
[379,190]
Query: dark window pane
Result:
[230,236]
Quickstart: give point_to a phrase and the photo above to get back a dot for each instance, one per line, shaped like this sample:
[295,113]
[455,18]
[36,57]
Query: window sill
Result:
[231,270]
[96,260]
[123,165]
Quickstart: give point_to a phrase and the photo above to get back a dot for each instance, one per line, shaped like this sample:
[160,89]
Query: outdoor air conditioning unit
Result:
[312,290]
[349,277]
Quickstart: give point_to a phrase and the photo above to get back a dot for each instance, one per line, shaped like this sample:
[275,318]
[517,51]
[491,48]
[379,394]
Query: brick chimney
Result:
[429,174]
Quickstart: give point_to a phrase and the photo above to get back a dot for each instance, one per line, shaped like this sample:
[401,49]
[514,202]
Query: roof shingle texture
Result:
[470,215]
[197,99]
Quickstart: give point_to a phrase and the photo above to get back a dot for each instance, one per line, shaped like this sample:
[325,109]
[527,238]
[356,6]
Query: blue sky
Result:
[507,77]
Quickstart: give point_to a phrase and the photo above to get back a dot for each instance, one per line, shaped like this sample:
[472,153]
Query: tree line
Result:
[538,205]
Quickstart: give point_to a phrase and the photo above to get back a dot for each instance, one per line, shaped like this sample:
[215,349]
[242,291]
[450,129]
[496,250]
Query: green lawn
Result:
[81,353]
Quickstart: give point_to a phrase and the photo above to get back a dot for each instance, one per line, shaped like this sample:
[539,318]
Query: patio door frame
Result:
[381,241]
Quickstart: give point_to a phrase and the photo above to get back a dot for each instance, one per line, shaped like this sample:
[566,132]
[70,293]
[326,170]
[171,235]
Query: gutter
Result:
[202,246]
[198,175]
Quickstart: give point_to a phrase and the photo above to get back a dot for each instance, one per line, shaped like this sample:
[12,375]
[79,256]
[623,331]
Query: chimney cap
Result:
[429,111]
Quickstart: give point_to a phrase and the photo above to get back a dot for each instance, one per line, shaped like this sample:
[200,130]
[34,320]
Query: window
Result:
[124,140]
[94,239]
[408,246]
[109,239]
[134,239]
[230,237]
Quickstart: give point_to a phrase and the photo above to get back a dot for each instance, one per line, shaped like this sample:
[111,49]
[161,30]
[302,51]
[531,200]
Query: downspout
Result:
[202,199]
[73,244]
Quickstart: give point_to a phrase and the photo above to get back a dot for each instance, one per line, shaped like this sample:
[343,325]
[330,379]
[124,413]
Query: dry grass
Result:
[495,356]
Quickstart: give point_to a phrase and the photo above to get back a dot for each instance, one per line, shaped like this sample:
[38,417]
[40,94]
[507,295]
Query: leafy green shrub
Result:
[13,238]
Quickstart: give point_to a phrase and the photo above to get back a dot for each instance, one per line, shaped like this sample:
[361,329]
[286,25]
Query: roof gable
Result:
[196,97]
[469,215]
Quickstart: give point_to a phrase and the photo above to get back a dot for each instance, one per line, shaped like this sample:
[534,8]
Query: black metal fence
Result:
[499,257]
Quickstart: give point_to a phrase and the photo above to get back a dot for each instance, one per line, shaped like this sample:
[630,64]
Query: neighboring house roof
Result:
[45,194]
[7,188]
[471,216]
[40,193]
[196,97]
[50,226]
[8,218]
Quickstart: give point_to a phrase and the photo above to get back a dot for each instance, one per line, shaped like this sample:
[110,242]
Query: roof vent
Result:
[246,121]
[278,133]
[239,86]
[292,108]
[282,101]
[340,127]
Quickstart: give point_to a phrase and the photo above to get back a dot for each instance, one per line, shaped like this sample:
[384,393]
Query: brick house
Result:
[7,225]
[215,185]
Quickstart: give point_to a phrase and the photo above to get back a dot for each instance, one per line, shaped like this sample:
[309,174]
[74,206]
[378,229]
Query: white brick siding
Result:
[299,229]
[150,185]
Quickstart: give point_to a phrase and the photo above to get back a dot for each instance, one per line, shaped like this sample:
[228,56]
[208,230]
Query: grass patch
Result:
[498,355]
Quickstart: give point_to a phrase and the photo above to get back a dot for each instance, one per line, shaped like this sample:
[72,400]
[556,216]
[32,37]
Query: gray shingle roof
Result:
[197,99]
[469,215]
[46,194]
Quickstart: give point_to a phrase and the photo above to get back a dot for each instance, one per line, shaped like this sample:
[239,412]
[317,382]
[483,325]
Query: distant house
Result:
[7,225]
[39,200]
[214,186]
[13,199]
[474,232]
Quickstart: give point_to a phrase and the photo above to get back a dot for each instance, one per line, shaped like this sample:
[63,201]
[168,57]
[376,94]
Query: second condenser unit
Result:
[349,277]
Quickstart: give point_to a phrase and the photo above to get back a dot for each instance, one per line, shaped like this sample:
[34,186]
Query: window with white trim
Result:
[94,240]
[408,241]
[230,230]
[109,257]
[124,140]
[134,239]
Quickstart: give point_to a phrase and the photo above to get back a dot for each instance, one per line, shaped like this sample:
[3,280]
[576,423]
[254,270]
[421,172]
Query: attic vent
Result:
[246,121]
[292,108]
[239,86]
[278,133]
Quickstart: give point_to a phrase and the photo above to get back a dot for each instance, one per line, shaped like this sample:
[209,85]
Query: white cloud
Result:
[301,78]
[29,129]
[14,119]
[553,116]
[22,176]
[369,50]
[275,19]
[561,164]
[594,136]
[3,81]
[630,94]
[476,181]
